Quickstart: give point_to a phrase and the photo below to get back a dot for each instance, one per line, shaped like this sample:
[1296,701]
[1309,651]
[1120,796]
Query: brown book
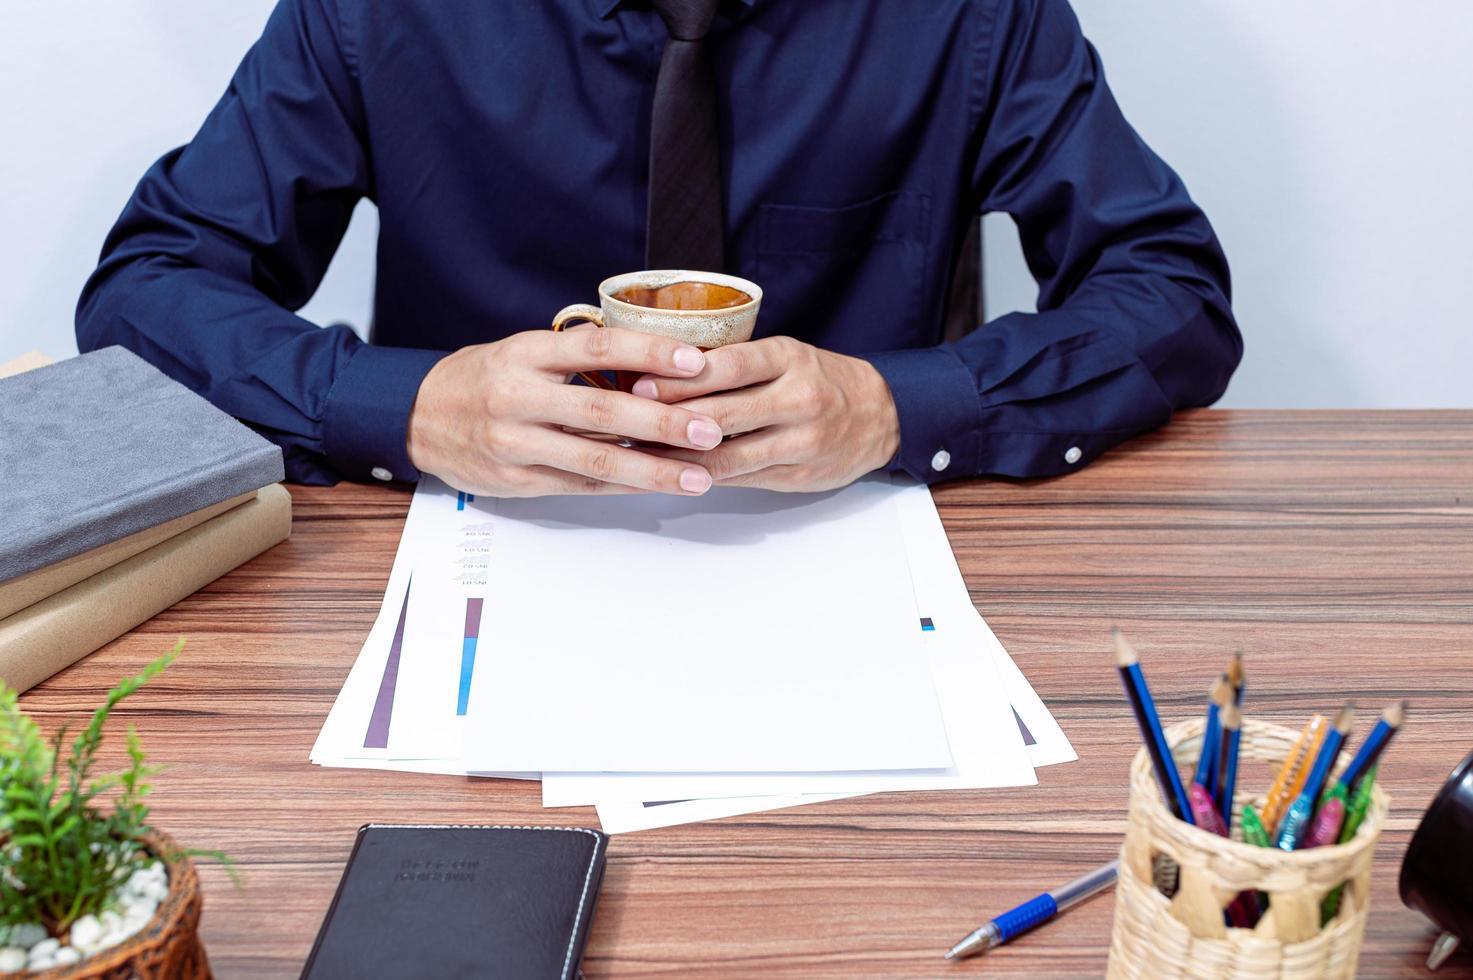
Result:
[54,633]
[24,590]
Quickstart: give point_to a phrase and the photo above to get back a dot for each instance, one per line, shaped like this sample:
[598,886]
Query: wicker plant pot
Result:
[168,948]
[1185,936]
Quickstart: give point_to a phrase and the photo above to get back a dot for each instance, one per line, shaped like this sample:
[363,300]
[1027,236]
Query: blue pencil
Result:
[1206,776]
[1295,823]
[1232,733]
[1375,744]
[1144,707]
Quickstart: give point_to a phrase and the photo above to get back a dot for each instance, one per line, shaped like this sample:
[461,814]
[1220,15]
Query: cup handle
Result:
[583,313]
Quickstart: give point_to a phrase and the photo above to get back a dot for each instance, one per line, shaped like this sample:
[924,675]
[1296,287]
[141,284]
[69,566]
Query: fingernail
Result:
[689,359]
[703,433]
[645,388]
[695,481]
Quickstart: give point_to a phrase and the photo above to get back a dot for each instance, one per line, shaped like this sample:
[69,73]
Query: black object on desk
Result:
[1437,872]
[438,901]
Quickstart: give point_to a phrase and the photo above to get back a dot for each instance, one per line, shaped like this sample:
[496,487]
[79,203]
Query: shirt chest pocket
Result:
[848,278]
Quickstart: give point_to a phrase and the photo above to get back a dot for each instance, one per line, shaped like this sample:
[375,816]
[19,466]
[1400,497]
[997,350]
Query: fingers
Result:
[616,413]
[605,462]
[735,366]
[612,349]
[747,410]
[740,457]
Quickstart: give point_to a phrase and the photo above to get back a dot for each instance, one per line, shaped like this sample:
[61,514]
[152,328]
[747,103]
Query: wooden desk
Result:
[1336,548]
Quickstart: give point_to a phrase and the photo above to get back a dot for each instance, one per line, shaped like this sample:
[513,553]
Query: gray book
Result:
[101,446]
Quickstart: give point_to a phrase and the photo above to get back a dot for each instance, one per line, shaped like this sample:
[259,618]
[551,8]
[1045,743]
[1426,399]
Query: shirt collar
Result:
[607,7]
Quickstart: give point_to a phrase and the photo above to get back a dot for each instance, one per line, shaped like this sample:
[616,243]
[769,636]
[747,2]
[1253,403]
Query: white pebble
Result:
[86,931]
[109,921]
[46,947]
[12,959]
[67,956]
[36,964]
[27,934]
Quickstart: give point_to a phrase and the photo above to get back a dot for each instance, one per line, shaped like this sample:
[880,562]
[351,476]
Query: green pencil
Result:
[1253,830]
[1355,815]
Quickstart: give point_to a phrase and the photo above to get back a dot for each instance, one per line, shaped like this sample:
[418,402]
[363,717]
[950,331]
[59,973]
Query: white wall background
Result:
[1331,143]
[92,92]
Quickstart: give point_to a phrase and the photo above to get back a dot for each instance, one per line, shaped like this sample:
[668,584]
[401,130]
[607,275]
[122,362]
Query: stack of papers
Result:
[671,659]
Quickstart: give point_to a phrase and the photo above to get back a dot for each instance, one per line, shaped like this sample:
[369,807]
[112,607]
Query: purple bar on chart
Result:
[473,618]
[383,705]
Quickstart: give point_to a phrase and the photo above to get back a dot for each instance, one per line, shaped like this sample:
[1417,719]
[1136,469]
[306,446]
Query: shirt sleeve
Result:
[1133,316]
[224,238]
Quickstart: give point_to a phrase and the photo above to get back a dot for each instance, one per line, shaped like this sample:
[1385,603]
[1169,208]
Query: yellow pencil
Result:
[1289,783]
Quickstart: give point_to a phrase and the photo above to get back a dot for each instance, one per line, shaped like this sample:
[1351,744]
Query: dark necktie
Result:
[684,229]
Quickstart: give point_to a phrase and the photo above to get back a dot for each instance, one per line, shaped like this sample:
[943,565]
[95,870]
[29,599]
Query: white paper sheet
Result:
[986,746]
[986,742]
[740,631]
[623,818]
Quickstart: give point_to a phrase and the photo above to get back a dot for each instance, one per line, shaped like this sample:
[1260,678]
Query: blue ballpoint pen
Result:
[1035,912]
[1294,825]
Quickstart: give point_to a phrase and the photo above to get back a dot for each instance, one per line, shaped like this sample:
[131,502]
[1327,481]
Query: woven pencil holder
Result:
[1185,935]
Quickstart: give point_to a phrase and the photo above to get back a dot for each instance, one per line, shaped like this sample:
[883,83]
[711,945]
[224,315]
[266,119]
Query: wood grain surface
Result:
[1335,548]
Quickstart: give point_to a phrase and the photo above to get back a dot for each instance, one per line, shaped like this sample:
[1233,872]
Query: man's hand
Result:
[490,419]
[805,418]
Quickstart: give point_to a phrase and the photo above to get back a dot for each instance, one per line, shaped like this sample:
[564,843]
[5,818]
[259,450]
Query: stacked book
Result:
[121,492]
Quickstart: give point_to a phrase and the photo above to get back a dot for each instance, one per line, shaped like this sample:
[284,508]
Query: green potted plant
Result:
[88,889]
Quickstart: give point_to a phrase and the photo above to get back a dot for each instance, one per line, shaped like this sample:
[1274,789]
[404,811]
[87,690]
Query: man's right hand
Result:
[491,419]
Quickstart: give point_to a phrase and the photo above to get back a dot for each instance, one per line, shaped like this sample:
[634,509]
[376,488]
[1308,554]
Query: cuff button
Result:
[1072,455]
[941,460]
[379,473]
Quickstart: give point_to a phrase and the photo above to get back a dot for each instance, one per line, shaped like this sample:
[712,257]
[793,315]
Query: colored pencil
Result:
[1144,708]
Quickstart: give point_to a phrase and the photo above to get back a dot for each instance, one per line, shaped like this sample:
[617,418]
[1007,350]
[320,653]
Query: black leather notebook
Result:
[426,901]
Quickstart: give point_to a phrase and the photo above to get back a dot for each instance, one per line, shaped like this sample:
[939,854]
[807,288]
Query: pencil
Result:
[1291,776]
[1232,733]
[1327,822]
[1295,822]
[1217,696]
[1376,742]
[1355,814]
[1237,677]
[1150,724]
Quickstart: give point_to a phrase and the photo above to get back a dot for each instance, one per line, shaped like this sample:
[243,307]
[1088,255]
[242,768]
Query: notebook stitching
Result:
[587,875]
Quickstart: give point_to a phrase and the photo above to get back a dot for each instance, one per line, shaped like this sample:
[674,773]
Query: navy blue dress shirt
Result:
[506,147]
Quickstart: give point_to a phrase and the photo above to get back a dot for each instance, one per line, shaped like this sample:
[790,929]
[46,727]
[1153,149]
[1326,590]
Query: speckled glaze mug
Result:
[703,309]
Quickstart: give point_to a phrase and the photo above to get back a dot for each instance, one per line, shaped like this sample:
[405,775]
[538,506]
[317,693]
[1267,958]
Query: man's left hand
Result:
[804,419]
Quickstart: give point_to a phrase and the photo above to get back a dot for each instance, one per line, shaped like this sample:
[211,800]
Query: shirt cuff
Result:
[940,416]
[366,418]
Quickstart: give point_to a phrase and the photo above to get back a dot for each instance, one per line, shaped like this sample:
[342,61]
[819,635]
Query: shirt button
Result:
[1072,454]
[379,473]
[941,460]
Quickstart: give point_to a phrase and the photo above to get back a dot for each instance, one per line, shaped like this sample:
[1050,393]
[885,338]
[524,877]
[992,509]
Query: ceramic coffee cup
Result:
[703,309]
